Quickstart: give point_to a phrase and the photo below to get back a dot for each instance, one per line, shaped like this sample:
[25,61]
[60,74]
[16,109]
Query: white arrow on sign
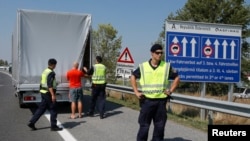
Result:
[224,49]
[193,42]
[232,44]
[216,45]
[184,44]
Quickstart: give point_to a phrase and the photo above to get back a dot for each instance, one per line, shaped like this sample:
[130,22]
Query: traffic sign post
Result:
[125,64]
[204,52]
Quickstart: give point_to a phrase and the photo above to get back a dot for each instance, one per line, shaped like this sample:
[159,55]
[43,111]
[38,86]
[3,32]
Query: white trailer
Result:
[40,35]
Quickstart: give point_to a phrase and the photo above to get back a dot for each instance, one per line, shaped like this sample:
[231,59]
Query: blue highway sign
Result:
[204,52]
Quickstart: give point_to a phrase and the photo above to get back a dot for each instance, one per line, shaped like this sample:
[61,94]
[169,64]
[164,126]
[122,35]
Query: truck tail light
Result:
[29,98]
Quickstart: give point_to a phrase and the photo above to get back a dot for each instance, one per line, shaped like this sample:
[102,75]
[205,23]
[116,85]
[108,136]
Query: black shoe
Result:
[32,126]
[90,114]
[102,116]
[56,128]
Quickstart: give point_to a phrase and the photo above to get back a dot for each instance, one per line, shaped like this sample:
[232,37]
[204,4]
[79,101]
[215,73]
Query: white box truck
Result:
[40,35]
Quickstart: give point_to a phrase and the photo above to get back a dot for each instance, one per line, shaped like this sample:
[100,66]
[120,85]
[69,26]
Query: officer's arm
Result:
[134,85]
[50,79]
[175,83]
[134,76]
[90,71]
[176,80]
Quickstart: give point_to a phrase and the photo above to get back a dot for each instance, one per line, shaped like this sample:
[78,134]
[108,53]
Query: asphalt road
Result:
[119,125]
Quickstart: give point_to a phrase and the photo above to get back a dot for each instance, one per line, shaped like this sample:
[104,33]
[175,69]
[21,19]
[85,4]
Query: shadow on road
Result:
[109,106]
[64,108]
[72,124]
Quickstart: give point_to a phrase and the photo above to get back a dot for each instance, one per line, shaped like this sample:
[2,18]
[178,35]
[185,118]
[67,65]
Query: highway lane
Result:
[13,119]
[120,124]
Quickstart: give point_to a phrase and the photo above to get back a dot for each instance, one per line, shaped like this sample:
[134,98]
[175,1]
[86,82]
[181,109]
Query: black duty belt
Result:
[43,88]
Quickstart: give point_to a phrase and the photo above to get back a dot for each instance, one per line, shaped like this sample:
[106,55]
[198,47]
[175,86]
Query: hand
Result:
[85,69]
[53,98]
[69,95]
[139,95]
[168,92]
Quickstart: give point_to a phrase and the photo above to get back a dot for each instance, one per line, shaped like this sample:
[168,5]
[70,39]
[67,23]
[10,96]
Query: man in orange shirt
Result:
[75,93]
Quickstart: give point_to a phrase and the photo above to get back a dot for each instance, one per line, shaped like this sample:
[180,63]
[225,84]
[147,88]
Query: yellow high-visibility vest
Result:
[99,75]
[154,82]
[44,87]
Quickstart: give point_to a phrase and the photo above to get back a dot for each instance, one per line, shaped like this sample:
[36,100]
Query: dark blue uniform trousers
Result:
[45,104]
[98,95]
[152,109]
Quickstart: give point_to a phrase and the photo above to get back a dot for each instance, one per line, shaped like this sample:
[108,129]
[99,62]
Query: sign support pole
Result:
[203,93]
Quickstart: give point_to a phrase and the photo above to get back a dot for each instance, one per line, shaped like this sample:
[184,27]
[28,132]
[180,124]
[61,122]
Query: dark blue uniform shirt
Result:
[50,79]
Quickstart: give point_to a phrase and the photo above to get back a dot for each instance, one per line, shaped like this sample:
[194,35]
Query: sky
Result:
[139,22]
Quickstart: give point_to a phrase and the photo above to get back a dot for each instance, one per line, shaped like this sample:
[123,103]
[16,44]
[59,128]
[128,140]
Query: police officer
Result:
[48,95]
[98,73]
[154,78]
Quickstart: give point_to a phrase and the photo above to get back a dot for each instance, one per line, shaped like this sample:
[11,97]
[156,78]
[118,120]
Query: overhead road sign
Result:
[204,52]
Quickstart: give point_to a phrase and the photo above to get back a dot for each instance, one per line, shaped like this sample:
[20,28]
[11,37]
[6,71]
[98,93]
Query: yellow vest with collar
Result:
[43,84]
[154,81]
[99,75]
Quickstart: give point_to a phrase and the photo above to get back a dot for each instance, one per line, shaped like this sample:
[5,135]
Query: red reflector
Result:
[29,98]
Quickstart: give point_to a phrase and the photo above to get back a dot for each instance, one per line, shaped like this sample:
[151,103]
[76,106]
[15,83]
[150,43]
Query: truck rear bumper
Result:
[34,97]
[29,93]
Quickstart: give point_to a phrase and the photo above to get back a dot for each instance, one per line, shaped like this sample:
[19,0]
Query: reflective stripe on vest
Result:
[154,82]
[44,87]
[99,75]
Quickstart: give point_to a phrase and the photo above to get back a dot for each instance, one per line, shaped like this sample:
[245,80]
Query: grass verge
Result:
[192,122]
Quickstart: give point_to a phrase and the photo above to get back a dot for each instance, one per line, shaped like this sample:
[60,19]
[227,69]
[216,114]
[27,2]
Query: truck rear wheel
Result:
[20,99]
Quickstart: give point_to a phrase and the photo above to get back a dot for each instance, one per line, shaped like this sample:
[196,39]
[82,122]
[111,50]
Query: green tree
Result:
[222,12]
[3,62]
[6,63]
[108,46]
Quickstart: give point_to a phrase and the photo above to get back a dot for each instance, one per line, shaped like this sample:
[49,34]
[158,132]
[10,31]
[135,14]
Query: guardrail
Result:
[227,107]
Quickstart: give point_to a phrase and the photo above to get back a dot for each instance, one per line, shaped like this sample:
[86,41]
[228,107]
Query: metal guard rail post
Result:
[205,103]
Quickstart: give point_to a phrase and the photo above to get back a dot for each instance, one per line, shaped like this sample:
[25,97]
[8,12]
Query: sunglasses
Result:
[158,53]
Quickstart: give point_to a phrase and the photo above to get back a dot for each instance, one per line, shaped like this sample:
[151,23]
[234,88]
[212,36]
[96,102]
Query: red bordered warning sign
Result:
[126,57]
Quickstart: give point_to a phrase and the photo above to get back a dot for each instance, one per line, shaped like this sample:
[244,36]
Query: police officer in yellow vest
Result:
[154,78]
[98,73]
[48,95]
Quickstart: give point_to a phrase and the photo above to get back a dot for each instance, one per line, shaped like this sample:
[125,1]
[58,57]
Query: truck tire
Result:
[21,104]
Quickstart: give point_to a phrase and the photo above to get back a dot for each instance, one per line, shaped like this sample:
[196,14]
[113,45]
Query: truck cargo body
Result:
[41,35]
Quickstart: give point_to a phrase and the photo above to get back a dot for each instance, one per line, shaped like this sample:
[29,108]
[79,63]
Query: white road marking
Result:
[65,134]
[6,73]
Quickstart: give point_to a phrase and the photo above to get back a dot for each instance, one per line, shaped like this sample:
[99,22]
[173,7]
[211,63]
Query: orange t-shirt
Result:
[74,77]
